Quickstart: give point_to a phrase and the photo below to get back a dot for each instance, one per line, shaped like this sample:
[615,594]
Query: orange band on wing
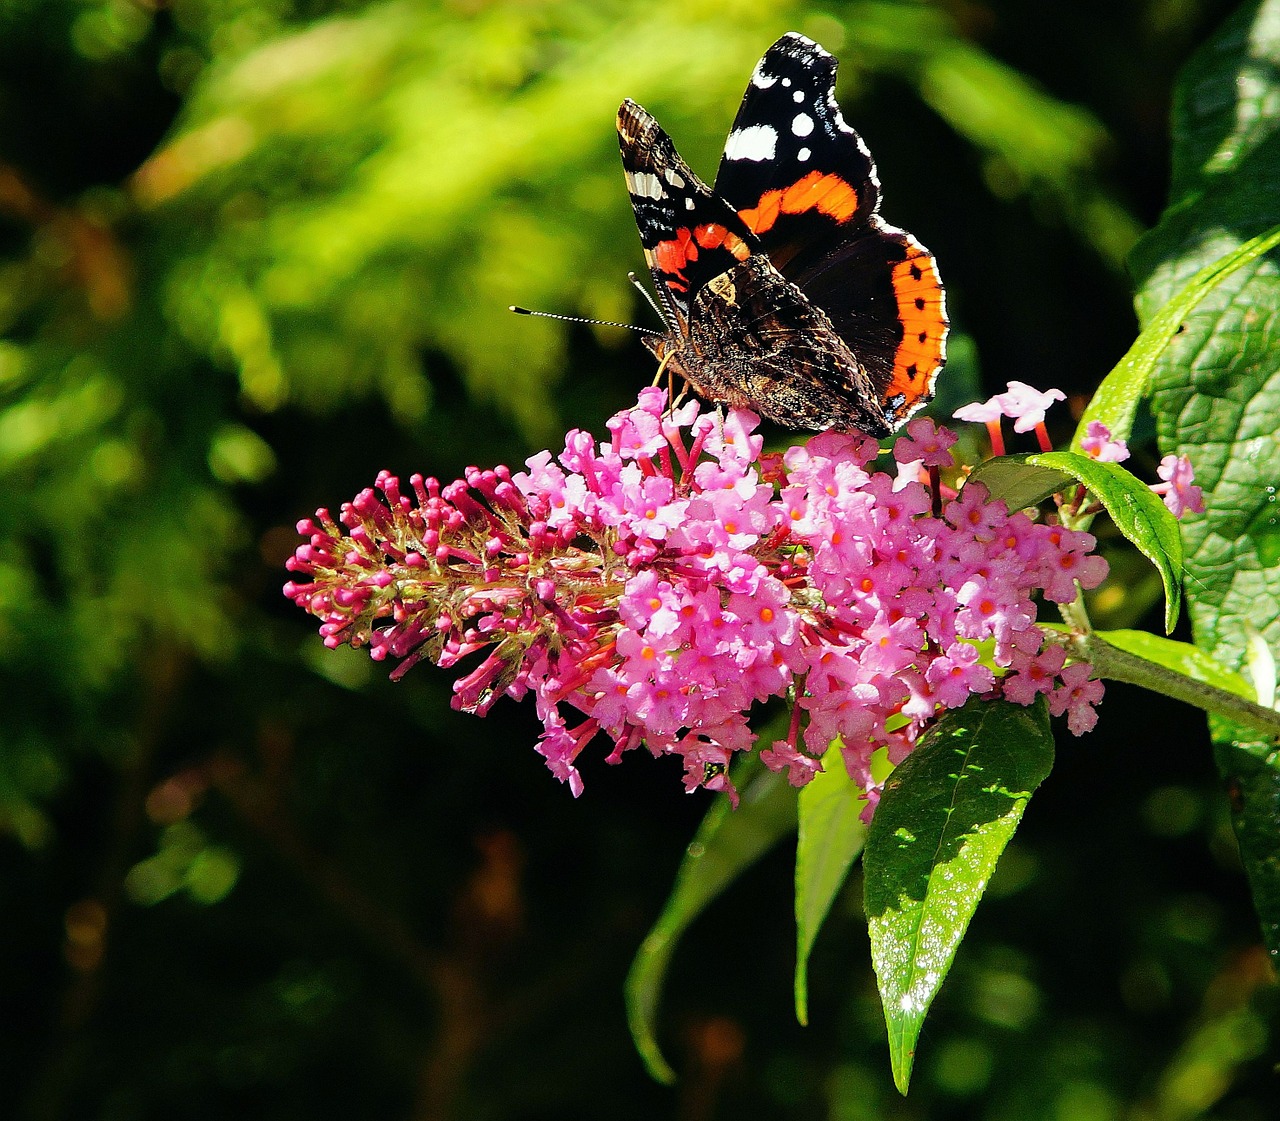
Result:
[670,257]
[713,236]
[827,194]
[921,311]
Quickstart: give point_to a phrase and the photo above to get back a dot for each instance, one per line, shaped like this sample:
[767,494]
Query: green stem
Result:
[1075,615]
[1118,665]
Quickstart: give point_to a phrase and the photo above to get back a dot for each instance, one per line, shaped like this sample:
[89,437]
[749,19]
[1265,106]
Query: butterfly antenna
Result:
[581,319]
[648,299]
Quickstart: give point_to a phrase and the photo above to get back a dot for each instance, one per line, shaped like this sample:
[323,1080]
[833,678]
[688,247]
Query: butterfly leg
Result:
[664,367]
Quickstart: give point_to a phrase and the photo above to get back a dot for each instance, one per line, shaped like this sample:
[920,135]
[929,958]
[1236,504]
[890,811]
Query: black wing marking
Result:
[689,235]
[799,177]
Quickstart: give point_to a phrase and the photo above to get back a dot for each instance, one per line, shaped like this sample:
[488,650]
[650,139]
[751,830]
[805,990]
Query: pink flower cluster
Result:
[1026,407]
[1177,488]
[655,586]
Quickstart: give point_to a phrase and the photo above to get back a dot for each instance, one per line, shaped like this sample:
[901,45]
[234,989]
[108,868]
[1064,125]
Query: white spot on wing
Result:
[756,142]
[645,185]
[673,177]
[688,202]
[803,154]
[798,96]
[802,124]
[760,79]
[786,82]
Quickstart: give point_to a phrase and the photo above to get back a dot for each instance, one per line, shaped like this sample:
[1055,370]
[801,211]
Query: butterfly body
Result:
[752,344]
[783,289]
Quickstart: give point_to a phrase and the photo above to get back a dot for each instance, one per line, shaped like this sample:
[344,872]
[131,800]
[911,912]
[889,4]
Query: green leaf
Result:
[1135,510]
[1216,388]
[727,843]
[1116,401]
[1137,513]
[1181,657]
[1226,104]
[1260,663]
[831,836]
[1251,767]
[946,815]
[1016,482]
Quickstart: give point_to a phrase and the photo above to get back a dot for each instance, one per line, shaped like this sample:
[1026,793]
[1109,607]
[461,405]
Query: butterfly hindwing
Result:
[885,298]
[784,349]
[757,342]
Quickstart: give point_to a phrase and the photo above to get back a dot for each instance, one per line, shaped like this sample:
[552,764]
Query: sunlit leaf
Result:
[1137,513]
[1181,657]
[1216,387]
[1015,482]
[945,817]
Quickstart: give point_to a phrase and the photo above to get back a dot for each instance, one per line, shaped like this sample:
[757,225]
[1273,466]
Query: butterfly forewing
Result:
[800,178]
[814,204]
[688,233]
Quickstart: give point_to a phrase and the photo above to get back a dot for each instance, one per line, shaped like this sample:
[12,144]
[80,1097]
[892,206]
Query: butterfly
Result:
[782,289]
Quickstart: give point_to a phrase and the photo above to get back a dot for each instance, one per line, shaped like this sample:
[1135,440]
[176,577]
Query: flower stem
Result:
[1119,665]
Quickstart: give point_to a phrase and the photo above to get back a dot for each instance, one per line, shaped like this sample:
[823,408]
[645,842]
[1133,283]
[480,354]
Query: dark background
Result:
[250,254]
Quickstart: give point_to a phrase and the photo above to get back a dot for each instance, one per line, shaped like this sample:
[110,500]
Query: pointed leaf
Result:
[1137,513]
[831,836]
[945,817]
[1016,483]
[1182,657]
[727,843]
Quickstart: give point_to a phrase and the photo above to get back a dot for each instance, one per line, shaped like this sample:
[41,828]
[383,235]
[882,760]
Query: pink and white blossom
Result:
[1026,406]
[1098,444]
[1178,489]
[652,588]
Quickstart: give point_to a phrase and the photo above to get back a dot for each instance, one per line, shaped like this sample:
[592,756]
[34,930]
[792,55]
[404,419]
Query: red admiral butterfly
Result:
[784,291]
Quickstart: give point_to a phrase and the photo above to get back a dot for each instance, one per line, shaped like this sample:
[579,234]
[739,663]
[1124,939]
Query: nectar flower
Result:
[1099,445]
[650,589]
[1178,489]
[1025,405]
[989,413]
[1022,404]
[925,443]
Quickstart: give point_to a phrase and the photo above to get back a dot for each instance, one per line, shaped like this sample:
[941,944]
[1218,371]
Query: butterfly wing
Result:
[886,301]
[803,182]
[757,342]
[797,175]
[689,235]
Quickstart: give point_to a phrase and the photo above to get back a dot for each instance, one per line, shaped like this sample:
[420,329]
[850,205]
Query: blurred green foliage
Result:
[252,252]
